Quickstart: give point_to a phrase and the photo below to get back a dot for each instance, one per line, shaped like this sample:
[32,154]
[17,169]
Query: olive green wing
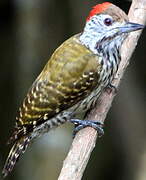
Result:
[69,76]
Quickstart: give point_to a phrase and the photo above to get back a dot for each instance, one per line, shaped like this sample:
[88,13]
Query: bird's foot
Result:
[80,124]
[110,87]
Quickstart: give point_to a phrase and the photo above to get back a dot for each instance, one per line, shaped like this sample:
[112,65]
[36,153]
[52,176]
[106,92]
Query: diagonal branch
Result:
[84,142]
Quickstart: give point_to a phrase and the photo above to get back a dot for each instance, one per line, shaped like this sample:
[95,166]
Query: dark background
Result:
[30,30]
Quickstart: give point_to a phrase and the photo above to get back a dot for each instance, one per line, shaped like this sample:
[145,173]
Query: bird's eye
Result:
[108,21]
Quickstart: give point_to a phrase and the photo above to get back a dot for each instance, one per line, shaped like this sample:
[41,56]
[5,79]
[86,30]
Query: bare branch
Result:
[84,142]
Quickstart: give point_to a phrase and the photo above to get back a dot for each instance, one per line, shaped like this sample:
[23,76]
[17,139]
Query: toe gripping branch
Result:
[80,124]
[110,87]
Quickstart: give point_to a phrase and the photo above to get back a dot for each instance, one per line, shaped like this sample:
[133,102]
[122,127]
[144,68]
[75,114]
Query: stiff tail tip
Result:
[18,148]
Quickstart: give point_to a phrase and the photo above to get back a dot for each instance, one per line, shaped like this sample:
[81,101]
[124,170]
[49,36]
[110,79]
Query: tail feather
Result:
[18,149]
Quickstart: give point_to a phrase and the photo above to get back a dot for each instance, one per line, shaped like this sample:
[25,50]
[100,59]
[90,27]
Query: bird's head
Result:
[107,22]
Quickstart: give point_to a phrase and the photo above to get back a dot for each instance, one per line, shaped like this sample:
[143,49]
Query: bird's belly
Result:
[88,102]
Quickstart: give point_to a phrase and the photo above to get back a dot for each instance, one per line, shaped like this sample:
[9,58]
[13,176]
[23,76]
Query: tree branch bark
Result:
[84,142]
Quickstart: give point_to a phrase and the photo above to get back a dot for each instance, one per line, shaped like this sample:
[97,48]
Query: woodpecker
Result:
[72,80]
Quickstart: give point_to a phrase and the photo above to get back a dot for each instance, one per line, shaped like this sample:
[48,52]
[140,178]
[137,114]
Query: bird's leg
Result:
[80,124]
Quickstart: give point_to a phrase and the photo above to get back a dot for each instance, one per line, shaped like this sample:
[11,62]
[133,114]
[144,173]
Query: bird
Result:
[73,79]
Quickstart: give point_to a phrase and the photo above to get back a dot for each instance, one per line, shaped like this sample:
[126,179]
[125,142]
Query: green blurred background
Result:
[30,30]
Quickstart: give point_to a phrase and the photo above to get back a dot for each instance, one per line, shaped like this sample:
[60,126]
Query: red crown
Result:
[98,9]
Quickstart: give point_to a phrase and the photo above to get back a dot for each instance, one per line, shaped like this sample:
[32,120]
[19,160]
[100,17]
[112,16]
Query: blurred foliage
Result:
[30,30]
